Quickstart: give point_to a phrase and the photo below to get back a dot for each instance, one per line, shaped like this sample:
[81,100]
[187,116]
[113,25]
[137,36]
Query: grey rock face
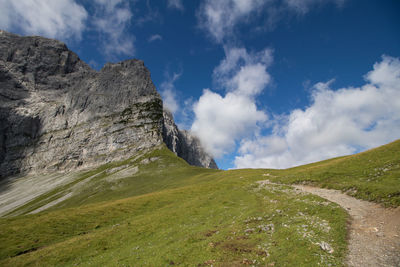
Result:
[56,113]
[185,145]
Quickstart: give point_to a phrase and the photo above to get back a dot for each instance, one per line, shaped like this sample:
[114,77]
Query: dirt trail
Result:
[374,231]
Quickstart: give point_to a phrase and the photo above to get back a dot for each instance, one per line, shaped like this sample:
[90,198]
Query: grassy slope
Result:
[156,210]
[169,213]
[114,181]
[372,175]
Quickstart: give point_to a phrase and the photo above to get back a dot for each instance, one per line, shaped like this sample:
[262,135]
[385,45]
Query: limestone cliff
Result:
[56,113]
[184,144]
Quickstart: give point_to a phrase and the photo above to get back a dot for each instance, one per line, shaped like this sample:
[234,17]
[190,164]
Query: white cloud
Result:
[385,73]
[220,18]
[243,72]
[111,19]
[303,6]
[61,19]
[154,37]
[176,4]
[168,92]
[250,80]
[66,19]
[338,122]
[220,121]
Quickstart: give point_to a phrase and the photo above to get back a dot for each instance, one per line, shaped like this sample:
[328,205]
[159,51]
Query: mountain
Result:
[184,144]
[58,114]
[126,198]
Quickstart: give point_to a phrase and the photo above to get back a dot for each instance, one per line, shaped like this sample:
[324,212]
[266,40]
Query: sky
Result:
[262,83]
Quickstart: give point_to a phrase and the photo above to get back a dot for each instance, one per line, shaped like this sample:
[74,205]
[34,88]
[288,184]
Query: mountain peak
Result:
[57,114]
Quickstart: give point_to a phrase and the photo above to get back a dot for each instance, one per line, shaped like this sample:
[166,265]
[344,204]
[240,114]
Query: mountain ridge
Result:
[58,114]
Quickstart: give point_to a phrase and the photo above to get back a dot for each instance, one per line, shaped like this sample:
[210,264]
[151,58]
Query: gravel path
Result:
[374,231]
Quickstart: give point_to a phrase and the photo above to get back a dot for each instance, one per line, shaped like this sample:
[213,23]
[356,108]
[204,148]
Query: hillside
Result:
[155,209]
[169,213]
[372,175]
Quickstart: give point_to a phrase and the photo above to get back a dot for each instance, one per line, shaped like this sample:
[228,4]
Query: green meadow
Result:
[156,210]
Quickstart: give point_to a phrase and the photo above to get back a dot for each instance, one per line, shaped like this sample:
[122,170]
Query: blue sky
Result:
[262,83]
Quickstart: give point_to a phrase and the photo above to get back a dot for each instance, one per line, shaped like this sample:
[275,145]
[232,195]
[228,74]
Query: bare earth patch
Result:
[374,231]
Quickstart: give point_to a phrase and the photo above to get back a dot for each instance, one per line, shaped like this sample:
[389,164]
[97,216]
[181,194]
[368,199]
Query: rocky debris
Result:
[326,247]
[366,246]
[209,262]
[116,169]
[249,230]
[123,174]
[248,262]
[148,160]
[17,192]
[184,144]
[56,113]
[253,219]
[266,227]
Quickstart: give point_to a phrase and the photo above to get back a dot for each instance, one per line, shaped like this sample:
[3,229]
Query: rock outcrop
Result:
[56,113]
[184,144]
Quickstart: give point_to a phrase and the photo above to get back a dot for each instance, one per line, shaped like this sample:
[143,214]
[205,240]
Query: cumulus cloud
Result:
[242,72]
[220,121]
[61,19]
[176,4]
[111,20]
[338,122]
[168,92]
[154,37]
[220,18]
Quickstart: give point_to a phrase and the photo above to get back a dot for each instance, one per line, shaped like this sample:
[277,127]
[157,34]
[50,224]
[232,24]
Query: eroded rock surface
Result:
[56,113]
[185,145]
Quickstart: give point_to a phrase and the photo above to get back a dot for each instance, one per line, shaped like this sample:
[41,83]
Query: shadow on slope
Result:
[144,173]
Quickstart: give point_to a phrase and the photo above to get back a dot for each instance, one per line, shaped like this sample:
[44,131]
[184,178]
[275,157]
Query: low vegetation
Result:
[373,175]
[155,210]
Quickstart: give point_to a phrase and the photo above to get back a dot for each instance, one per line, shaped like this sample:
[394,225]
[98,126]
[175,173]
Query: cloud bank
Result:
[220,121]
[221,18]
[111,20]
[68,20]
[55,19]
[338,122]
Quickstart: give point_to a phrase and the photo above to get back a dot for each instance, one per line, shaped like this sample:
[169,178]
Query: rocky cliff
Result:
[184,144]
[56,113]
